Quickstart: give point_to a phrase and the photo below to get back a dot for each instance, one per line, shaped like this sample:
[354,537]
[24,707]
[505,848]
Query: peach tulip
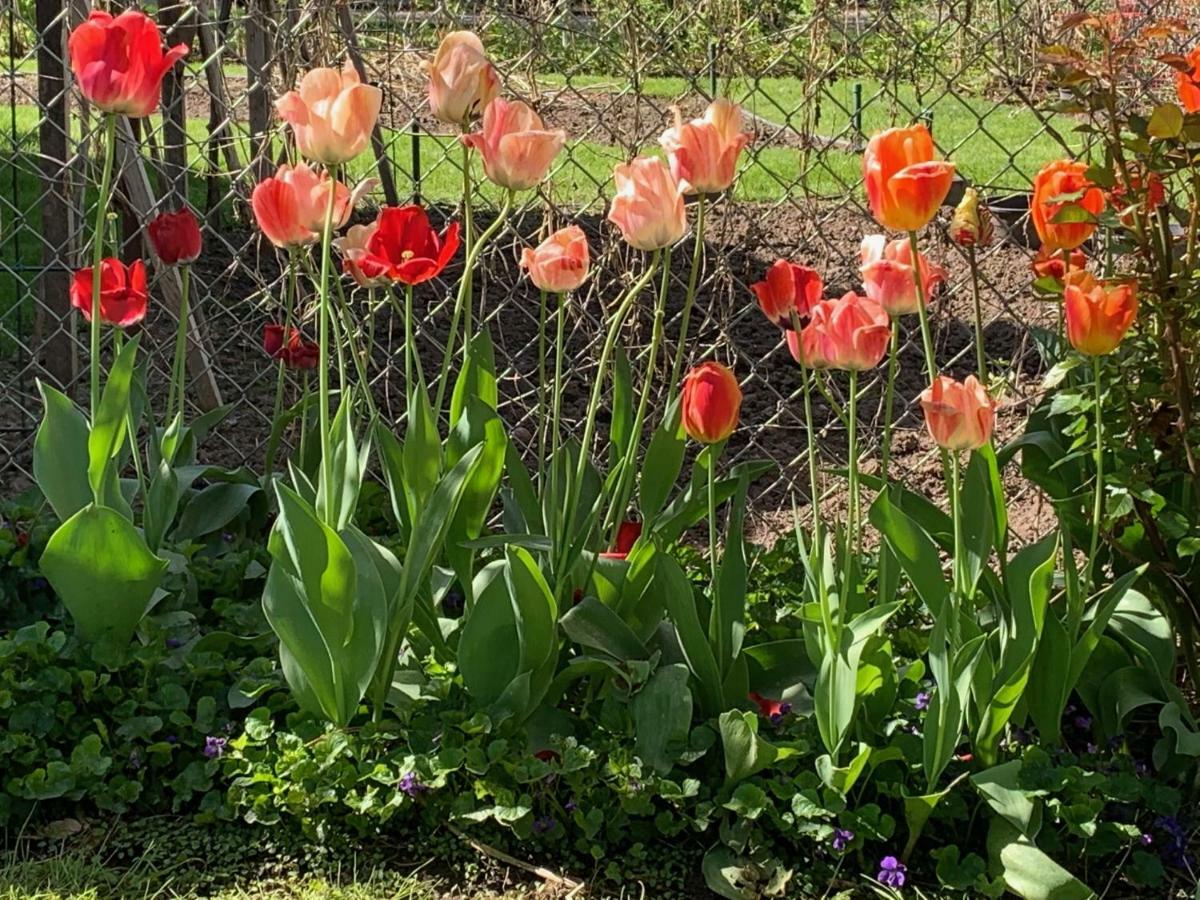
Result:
[1064,179]
[332,115]
[356,258]
[516,147]
[710,402]
[851,333]
[560,262]
[1187,84]
[1098,313]
[788,288]
[119,61]
[887,274]
[462,81]
[290,206]
[959,415]
[905,184]
[648,206]
[704,152]
[805,349]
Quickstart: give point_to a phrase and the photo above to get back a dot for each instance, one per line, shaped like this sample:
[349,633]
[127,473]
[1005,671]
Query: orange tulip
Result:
[905,184]
[788,288]
[1049,263]
[332,115]
[516,147]
[648,206]
[959,415]
[887,274]
[1187,84]
[1062,179]
[462,82]
[560,262]
[851,333]
[1098,313]
[119,61]
[356,258]
[709,402]
[290,206]
[704,152]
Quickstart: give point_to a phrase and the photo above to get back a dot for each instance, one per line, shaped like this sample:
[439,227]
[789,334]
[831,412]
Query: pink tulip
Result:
[332,115]
[648,206]
[356,258]
[517,149]
[959,415]
[704,152]
[290,206]
[851,333]
[462,82]
[559,263]
[887,274]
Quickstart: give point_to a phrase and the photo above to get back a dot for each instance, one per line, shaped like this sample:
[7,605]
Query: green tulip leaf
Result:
[60,454]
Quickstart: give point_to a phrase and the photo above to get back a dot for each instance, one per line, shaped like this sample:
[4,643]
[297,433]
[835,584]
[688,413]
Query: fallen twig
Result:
[499,855]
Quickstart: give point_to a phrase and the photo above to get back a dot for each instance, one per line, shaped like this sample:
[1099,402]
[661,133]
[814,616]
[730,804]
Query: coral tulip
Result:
[850,333]
[704,152]
[332,115]
[560,262]
[788,288]
[887,274]
[1098,313]
[905,184]
[516,147]
[462,82]
[1081,200]
[295,352]
[119,61]
[709,402]
[959,415]
[406,248]
[627,536]
[356,261]
[648,207]
[290,206]
[1187,84]
[804,348]
[1049,263]
[971,224]
[175,237]
[123,294]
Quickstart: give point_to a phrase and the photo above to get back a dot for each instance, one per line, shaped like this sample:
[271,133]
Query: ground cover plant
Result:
[398,629]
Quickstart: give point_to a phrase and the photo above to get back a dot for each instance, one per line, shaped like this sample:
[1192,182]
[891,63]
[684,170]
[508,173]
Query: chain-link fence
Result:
[813,78]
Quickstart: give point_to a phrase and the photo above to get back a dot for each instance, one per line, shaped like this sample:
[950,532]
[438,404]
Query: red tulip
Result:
[774,710]
[295,352]
[710,402]
[332,114]
[462,82]
[905,184]
[648,207]
[1049,263]
[1098,313]
[788,288]
[559,263]
[1187,84]
[516,147]
[123,294]
[405,247]
[959,415]
[119,61]
[353,247]
[1062,188]
[704,152]
[627,536]
[851,333]
[175,237]
[887,274]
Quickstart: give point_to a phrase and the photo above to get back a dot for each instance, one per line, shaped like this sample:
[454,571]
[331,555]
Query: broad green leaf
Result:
[212,509]
[101,568]
[727,876]
[843,778]
[1165,122]
[620,429]
[478,425]
[918,809]
[60,454]
[913,549]
[524,493]
[422,453]
[477,380]
[662,717]
[978,521]
[1027,871]
[595,626]
[534,609]
[1051,674]
[489,655]
[680,602]
[1146,631]
[661,467]
[727,624]
[1000,787]
[745,752]
[162,502]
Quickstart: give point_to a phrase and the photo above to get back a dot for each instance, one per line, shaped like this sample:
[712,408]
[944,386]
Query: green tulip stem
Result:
[1098,499]
[176,394]
[323,345]
[110,144]
[980,356]
[885,446]
[689,300]
[853,538]
[542,400]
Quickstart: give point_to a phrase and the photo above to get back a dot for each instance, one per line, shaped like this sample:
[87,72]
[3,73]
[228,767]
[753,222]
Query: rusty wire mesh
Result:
[814,79]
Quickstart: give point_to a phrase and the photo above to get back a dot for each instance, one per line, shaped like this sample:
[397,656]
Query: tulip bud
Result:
[971,224]
[710,403]
[175,237]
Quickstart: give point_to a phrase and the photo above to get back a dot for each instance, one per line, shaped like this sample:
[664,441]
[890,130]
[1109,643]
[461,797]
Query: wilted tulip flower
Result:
[959,415]
[462,82]
[355,262]
[123,293]
[704,152]
[887,274]
[332,114]
[788,288]
[710,402]
[292,349]
[1098,313]
[1062,191]
[971,224]
[560,262]
[905,184]
[119,63]
[1049,263]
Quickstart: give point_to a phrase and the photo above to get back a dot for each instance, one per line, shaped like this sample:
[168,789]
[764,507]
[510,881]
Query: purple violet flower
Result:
[411,785]
[1083,723]
[541,826]
[891,872]
[921,701]
[174,643]
[571,805]
[214,746]
[1147,840]
[842,838]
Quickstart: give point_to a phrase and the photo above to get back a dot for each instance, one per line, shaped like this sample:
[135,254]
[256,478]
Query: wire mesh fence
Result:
[814,80]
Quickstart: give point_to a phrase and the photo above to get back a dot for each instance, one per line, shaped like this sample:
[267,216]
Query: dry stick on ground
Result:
[500,856]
